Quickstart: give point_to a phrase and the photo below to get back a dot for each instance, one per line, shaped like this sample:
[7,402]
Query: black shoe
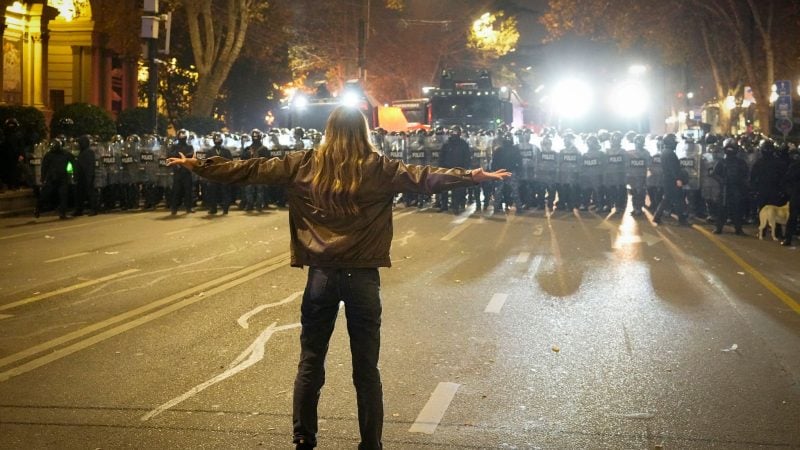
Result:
[717,231]
[786,243]
[36,213]
[657,220]
[739,232]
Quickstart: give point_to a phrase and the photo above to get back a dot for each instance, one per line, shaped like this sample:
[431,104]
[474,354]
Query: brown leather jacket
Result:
[356,241]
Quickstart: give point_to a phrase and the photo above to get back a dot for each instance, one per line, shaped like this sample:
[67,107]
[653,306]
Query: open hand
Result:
[183,161]
[479,175]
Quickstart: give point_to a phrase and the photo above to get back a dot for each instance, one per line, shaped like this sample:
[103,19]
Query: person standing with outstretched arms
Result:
[340,220]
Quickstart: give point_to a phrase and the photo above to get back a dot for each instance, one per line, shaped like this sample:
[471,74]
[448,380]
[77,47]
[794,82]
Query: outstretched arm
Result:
[479,175]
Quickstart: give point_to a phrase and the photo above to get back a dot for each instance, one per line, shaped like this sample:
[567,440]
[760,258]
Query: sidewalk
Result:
[16,202]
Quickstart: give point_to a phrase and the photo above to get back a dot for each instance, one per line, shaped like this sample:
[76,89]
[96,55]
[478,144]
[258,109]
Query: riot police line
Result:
[131,173]
[604,171]
[552,170]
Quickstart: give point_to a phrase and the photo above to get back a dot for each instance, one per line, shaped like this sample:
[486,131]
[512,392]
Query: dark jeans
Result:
[794,212]
[359,289]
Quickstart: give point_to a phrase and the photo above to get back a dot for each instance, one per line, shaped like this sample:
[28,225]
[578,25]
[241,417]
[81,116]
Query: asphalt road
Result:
[139,330]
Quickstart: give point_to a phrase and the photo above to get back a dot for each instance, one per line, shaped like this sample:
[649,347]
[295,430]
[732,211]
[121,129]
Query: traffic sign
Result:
[783,108]
[784,126]
[784,88]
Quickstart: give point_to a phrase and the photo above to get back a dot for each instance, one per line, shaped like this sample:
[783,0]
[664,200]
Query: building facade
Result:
[54,55]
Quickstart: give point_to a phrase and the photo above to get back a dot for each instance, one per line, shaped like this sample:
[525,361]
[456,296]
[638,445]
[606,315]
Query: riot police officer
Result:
[13,155]
[56,167]
[690,164]
[792,182]
[568,188]
[710,187]
[129,174]
[84,178]
[672,182]
[254,195]
[766,177]
[507,157]
[546,173]
[732,174]
[615,193]
[592,168]
[527,183]
[218,193]
[636,165]
[654,176]
[275,149]
[181,177]
[455,153]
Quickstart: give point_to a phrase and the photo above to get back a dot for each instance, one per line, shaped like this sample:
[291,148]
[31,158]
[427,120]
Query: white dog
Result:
[772,215]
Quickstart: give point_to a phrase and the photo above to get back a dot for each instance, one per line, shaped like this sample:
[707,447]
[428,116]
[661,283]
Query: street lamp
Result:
[637,69]
[572,98]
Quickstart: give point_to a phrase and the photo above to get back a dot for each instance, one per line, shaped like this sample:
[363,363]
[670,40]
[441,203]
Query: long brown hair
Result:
[337,162]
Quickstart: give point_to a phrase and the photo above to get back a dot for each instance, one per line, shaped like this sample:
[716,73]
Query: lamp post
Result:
[150,21]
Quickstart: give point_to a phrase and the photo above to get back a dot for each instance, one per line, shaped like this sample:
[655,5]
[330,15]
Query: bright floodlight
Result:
[637,69]
[300,101]
[572,98]
[629,99]
[350,98]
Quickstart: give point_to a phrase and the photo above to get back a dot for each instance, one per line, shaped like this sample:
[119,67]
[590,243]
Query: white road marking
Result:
[539,230]
[496,303]
[64,258]
[403,214]
[456,231]
[404,240]
[222,284]
[523,257]
[242,321]
[46,295]
[182,230]
[6,316]
[50,230]
[253,354]
[431,415]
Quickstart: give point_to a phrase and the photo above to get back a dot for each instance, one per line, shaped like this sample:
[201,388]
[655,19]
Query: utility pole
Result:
[150,23]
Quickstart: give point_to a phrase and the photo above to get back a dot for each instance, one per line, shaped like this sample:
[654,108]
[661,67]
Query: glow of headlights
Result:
[572,98]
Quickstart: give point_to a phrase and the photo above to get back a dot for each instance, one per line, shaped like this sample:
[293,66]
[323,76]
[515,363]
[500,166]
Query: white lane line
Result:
[242,321]
[46,295]
[431,415]
[50,230]
[182,230]
[253,354]
[6,316]
[496,303]
[64,258]
[456,231]
[403,214]
[223,283]
[523,257]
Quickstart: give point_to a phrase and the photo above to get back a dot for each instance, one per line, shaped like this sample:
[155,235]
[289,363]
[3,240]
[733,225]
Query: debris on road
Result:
[732,348]
[556,349]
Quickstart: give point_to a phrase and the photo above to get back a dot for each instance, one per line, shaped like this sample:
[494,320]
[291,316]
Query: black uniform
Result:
[55,179]
[673,195]
[792,183]
[455,153]
[507,157]
[181,178]
[766,179]
[732,174]
[84,179]
[11,153]
[219,193]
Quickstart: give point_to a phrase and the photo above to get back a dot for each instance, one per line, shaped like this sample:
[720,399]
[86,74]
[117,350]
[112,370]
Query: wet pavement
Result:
[570,330]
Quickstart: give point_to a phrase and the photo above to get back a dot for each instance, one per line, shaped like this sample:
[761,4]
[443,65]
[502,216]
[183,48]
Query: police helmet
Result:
[569,138]
[630,136]
[256,134]
[639,140]
[56,145]
[217,138]
[183,135]
[547,143]
[766,146]
[602,135]
[134,139]
[299,133]
[11,123]
[670,141]
[711,139]
[84,141]
[616,138]
[593,143]
[730,146]
[455,131]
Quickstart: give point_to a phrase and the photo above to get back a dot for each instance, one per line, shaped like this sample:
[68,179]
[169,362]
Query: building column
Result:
[39,65]
[130,84]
